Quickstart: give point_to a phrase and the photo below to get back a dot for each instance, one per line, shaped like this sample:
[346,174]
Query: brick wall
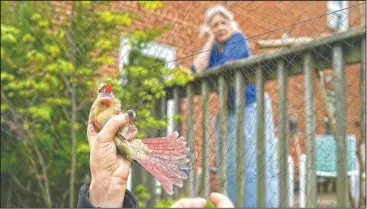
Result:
[258,21]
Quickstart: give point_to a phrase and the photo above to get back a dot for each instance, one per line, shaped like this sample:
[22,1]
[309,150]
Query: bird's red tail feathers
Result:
[168,156]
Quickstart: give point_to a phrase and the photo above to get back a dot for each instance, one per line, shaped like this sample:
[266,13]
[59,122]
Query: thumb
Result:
[112,126]
[220,200]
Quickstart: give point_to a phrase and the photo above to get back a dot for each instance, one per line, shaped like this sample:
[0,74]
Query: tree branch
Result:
[13,126]
[33,162]
[47,196]
[17,182]
[63,199]
[10,106]
[331,119]
[81,105]
[67,83]
[21,200]
[65,113]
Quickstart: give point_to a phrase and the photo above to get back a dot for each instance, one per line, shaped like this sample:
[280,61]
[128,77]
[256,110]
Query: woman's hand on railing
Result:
[219,200]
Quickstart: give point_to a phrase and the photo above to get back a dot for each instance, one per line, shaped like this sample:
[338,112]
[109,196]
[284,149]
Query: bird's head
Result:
[105,94]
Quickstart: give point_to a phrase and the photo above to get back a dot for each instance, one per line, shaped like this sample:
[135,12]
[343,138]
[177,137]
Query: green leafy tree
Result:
[50,64]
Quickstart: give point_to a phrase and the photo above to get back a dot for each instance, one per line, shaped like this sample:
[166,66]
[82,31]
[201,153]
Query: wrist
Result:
[107,194]
[211,39]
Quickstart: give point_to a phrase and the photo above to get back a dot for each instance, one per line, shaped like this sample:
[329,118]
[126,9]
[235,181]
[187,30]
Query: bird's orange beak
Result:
[105,100]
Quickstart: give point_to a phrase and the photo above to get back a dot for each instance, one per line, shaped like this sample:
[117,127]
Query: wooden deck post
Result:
[190,140]
[341,128]
[260,137]
[205,145]
[176,126]
[163,132]
[240,110]
[223,133]
[283,134]
[311,189]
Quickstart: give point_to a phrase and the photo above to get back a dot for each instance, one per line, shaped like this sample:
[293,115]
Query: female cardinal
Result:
[162,157]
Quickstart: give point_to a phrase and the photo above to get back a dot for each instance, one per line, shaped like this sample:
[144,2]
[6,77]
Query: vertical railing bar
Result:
[163,132]
[163,115]
[176,124]
[190,139]
[205,145]
[363,122]
[153,133]
[340,120]
[260,137]
[240,110]
[176,108]
[311,189]
[223,134]
[283,137]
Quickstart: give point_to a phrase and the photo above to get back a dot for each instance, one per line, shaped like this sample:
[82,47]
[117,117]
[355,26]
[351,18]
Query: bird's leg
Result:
[123,148]
[132,114]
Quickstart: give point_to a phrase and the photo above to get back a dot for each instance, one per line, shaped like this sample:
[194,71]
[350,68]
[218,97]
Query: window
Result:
[338,17]
[160,54]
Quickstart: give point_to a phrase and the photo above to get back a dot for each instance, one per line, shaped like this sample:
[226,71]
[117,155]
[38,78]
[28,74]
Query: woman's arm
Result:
[202,61]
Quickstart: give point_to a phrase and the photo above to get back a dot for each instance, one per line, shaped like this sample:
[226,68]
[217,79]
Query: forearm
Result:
[84,198]
[110,195]
[202,61]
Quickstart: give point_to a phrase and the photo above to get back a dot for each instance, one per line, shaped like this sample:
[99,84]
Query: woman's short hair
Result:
[218,9]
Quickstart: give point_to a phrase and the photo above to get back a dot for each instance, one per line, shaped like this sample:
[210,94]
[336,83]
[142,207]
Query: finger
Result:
[190,203]
[220,200]
[90,119]
[90,129]
[112,126]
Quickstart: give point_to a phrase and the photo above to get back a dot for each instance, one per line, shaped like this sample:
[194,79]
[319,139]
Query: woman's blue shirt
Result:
[235,48]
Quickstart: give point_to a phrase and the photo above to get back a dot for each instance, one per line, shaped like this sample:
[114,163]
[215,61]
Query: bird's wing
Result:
[165,158]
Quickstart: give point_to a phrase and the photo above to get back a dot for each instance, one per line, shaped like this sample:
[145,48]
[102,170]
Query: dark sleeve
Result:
[83,200]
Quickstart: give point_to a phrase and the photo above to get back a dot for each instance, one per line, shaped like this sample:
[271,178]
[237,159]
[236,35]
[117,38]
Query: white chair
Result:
[326,165]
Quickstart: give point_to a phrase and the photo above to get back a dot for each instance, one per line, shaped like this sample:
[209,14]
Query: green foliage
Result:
[45,61]
[147,79]
[151,4]
[168,203]
[164,203]
[209,205]
[141,193]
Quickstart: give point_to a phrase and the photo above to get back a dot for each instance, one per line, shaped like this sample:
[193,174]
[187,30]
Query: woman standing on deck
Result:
[226,43]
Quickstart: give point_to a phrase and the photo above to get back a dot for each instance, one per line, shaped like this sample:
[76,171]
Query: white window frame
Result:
[333,6]
[158,51]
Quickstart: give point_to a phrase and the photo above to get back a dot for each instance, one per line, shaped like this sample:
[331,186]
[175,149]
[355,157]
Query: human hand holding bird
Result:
[162,157]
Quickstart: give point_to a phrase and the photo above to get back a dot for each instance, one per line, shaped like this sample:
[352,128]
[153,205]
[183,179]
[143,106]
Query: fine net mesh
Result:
[53,55]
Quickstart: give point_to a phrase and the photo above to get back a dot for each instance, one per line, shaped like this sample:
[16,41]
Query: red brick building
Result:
[258,21]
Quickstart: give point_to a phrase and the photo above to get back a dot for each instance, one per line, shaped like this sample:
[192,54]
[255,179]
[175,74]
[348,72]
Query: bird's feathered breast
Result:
[102,113]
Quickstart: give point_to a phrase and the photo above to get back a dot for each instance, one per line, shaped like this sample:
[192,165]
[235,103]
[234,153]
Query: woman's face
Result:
[221,28]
